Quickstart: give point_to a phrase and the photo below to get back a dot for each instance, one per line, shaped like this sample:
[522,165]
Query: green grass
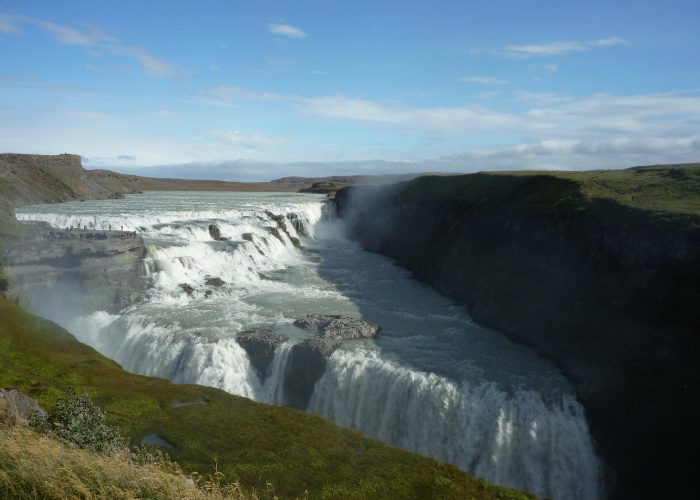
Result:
[250,442]
[648,195]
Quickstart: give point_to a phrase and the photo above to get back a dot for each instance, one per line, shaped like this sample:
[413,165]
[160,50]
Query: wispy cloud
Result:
[229,95]
[547,116]
[251,141]
[559,154]
[88,37]
[553,48]
[152,65]
[445,120]
[483,80]
[97,43]
[287,30]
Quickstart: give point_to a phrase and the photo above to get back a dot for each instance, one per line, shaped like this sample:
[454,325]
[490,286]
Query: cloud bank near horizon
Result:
[257,96]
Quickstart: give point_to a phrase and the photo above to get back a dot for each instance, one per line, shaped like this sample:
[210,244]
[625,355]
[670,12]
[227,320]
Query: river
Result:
[433,381]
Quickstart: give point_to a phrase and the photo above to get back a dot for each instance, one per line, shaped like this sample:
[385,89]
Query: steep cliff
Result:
[72,272]
[599,271]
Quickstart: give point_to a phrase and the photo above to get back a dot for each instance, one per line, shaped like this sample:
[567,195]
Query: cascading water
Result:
[432,382]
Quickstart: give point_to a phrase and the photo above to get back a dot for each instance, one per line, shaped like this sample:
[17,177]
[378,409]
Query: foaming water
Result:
[432,382]
[511,439]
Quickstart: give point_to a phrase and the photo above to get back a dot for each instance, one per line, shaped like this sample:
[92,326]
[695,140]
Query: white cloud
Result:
[152,65]
[609,42]
[99,43]
[66,35]
[286,30]
[444,120]
[562,154]
[484,80]
[229,95]
[554,48]
[252,141]
[546,117]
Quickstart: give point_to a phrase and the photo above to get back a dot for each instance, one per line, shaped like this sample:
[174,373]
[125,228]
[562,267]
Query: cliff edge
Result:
[598,271]
[29,179]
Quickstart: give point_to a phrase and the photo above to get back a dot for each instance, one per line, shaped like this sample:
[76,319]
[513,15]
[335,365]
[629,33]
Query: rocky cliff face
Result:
[66,272]
[308,358]
[608,291]
[63,273]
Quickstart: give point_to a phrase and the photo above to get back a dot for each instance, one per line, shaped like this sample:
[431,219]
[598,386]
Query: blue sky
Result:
[261,89]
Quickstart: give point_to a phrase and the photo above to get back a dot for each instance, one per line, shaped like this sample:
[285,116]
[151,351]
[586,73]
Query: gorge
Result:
[597,271]
[432,381]
[274,296]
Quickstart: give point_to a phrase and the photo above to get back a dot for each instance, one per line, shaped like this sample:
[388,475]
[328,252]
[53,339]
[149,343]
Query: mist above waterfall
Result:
[433,381]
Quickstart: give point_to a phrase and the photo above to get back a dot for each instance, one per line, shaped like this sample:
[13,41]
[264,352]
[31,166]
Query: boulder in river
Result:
[187,288]
[217,282]
[214,232]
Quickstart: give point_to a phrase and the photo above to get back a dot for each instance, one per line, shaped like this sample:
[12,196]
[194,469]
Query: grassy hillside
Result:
[670,191]
[250,442]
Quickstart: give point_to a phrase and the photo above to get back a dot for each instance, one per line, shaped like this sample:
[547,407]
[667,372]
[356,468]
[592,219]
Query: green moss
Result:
[251,442]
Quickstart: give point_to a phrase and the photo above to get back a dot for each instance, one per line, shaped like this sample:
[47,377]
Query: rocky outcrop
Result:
[215,282]
[215,233]
[298,223]
[308,359]
[18,409]
[606,290]
[27,179]
[72,272]
[281,222]
[260,345]
[338,327]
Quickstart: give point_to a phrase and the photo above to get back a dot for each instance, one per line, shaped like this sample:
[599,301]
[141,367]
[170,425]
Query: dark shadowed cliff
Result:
[598,271]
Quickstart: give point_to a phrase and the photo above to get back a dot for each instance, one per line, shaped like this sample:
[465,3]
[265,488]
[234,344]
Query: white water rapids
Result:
[432,382]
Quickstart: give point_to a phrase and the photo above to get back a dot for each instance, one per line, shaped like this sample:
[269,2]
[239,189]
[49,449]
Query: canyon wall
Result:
[586,269]
[64,273]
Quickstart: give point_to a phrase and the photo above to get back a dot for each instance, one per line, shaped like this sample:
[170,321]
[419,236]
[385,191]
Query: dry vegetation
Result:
[36,466]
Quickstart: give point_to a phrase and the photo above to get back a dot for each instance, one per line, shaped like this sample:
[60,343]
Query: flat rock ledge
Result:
[337,326]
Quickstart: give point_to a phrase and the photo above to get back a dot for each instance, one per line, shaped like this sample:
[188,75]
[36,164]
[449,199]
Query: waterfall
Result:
[273,388]
[514,437]
[514,440]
